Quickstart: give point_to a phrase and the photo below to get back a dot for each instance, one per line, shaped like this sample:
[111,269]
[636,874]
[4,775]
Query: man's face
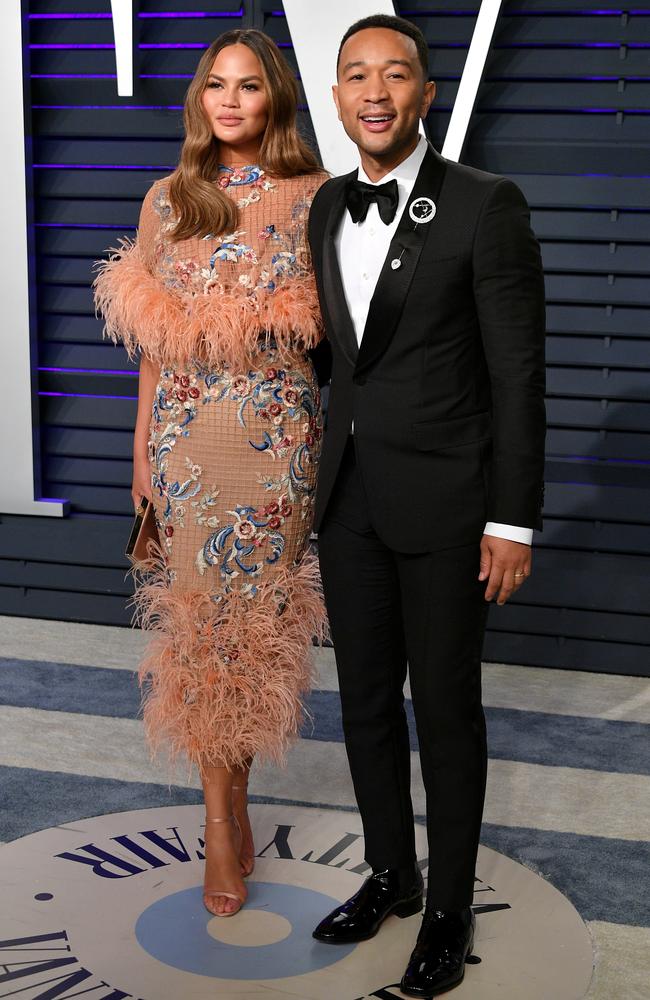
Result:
[381,94]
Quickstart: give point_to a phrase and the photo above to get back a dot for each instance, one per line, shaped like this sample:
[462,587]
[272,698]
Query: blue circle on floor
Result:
[174,931]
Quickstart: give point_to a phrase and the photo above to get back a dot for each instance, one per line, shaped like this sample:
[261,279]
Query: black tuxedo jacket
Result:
[447,389]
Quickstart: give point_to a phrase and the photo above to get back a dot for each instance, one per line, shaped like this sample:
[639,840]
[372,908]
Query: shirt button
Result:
[365,276]
[371,231]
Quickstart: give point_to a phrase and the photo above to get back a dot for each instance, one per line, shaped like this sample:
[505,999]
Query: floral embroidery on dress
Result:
[269,401]
[283,263]
[275,396]
[287,255]
[250,542]
[230,249]
[180,412]
[239,176]
[204,505]
[163,207]
[300,210]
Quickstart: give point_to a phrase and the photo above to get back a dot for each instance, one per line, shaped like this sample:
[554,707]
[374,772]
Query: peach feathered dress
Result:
[233,599]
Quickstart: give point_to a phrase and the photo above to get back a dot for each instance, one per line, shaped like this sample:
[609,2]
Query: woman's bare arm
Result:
[147,381]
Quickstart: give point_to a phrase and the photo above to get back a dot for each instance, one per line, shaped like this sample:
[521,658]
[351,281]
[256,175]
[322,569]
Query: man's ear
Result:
[335,95]
[427,98]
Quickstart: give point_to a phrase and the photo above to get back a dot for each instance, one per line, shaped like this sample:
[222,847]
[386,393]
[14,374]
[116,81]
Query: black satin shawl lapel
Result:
[341,325]
[392,287]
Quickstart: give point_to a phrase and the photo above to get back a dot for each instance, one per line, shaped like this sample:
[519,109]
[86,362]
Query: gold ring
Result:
[139,509]
[520,574]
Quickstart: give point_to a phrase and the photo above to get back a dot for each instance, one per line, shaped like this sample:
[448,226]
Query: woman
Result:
[218,296]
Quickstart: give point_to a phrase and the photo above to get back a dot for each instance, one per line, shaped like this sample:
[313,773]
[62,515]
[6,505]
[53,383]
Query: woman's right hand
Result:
[141,486]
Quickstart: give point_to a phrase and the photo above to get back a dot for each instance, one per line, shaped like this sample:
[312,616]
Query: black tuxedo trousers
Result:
[428,609]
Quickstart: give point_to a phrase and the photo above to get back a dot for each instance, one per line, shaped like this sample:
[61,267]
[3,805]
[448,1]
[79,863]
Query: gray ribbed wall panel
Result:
[563,110]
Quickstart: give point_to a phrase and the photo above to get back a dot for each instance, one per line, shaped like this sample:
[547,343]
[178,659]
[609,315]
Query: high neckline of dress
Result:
[238,176]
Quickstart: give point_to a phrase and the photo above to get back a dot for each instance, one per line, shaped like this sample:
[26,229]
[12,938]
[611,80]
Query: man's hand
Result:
[506,563]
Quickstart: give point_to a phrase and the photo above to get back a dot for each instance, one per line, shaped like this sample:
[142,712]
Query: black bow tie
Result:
[359,195]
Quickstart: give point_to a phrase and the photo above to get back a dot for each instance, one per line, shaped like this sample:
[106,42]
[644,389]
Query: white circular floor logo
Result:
[111,908]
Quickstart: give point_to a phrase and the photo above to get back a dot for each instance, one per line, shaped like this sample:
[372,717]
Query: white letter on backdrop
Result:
[316,32]
[123,35]
[19,442]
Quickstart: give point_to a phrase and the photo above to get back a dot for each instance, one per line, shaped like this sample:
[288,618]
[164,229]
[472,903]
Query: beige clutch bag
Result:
[143,531]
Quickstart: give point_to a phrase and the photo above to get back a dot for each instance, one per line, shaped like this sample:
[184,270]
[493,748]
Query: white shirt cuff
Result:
[510,531]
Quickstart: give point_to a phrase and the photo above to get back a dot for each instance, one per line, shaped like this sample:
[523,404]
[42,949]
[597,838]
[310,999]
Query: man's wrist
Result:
[512,532]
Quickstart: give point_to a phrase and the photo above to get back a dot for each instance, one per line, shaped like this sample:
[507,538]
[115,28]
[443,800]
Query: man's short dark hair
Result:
[393,23]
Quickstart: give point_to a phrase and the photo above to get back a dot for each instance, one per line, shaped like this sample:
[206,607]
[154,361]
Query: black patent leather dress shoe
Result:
[384,893]
[444,943]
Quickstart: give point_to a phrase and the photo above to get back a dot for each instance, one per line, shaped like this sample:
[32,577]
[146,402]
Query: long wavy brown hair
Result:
[200,204]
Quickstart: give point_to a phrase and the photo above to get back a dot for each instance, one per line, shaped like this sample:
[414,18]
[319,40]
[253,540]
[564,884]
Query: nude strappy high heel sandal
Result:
[247,861]
[222,892]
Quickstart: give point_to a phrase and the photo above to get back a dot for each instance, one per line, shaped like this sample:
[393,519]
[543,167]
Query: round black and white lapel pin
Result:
[422,210]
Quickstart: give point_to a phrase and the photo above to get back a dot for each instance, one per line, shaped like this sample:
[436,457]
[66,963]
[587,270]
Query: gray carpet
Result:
[569,765]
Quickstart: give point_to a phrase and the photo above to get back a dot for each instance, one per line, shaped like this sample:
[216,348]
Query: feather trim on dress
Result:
[222,327]
[223,680]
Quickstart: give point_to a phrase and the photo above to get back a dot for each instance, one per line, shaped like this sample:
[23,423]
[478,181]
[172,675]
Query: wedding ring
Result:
[520,574]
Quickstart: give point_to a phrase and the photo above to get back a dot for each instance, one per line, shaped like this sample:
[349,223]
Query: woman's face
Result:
[235,99]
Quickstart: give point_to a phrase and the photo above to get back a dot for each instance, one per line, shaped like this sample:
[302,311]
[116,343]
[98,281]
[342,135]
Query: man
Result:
[431,288]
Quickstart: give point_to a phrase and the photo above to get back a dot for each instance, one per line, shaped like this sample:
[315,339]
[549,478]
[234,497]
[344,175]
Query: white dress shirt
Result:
[362,248]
